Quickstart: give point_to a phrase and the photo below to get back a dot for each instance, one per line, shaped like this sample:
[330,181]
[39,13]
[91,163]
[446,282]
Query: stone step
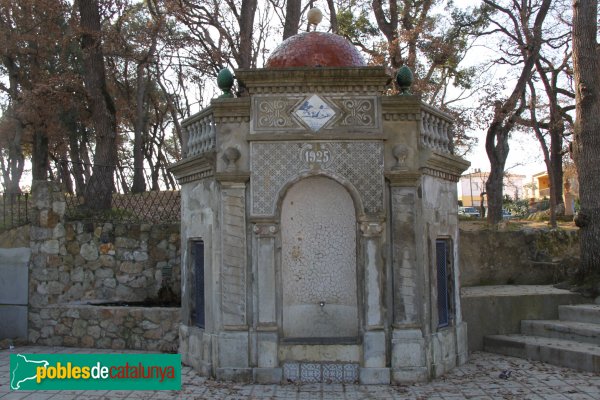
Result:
[568,330]
[566,353]
[580,313]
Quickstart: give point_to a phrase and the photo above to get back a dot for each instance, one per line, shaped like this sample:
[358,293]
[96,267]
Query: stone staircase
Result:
[571,341]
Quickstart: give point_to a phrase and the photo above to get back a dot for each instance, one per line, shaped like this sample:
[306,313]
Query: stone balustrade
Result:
[199,133]
[435,130]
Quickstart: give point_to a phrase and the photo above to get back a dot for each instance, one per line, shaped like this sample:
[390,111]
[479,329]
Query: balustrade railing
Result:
[435,132]
[199,133]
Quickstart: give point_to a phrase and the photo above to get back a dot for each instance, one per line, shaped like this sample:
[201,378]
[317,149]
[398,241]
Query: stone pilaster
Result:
[233,248]
[374,369]
[265,284]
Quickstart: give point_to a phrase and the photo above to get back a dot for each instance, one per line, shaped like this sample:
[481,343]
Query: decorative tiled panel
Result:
[274,164]
[320,372]
[313,113]
[291,371]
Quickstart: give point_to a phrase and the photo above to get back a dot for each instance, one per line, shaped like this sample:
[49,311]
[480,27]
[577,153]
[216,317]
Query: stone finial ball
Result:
[225,79]
[315,16]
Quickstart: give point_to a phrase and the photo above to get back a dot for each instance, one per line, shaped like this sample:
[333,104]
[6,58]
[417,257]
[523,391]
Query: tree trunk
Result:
[247,12]
[98,193]
[496,146]
[139,183]
[16,159]
[556,161]
[586,139]
[39,156]
[389,29]
[293,10]
[507,111]
[332,16]
[76,161]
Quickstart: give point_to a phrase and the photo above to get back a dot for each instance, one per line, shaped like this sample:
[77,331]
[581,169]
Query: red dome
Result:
[315,49]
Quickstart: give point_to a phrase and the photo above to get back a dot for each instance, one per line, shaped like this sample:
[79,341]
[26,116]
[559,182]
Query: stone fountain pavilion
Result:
[319,226]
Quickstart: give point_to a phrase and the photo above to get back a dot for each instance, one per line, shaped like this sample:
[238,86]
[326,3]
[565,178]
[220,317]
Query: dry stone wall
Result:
[529,256]
[105,327]
[75,263]
[104,262]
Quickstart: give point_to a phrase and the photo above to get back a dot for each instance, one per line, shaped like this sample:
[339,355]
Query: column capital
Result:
[265,229]
[372,229]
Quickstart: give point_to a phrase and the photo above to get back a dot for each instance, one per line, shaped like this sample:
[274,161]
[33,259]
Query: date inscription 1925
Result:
[316,154]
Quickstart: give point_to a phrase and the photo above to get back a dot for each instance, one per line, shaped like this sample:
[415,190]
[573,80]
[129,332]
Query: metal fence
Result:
[16,210]
[83,190]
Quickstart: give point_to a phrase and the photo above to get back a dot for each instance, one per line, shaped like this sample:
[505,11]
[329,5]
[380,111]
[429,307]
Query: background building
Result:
[471,186]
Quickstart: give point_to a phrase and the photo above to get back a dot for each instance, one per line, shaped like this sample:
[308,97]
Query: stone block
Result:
[132,267]
[59,231]
[233,350]
[374,376]
[55,261]
[34,336]
[73,247]
[107,249]
[89,251]
[55,287]
[408,349]
[14,321]
[79,327]
[37,233]
[409,375]
[140,256]
[49,219]
[104,273]
[126,243]
[234,374]
[59,206]
[50,246]
[107,260]
[14,276]
[110,283]
[87,341]
[103,343]
[267,350]
[374,347]
[265,376]
[77,274]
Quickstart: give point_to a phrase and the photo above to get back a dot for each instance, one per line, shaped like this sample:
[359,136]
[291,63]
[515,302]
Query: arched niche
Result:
[318,261]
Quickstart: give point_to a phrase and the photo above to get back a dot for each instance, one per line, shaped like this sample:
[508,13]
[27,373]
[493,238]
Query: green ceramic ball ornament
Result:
[404,78]
[225,82]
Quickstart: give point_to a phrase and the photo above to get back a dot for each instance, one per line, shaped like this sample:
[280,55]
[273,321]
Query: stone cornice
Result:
[194,168]
[445,166]
[401,108]
[231,110]
[309,79]
[403,178]
[233,177]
